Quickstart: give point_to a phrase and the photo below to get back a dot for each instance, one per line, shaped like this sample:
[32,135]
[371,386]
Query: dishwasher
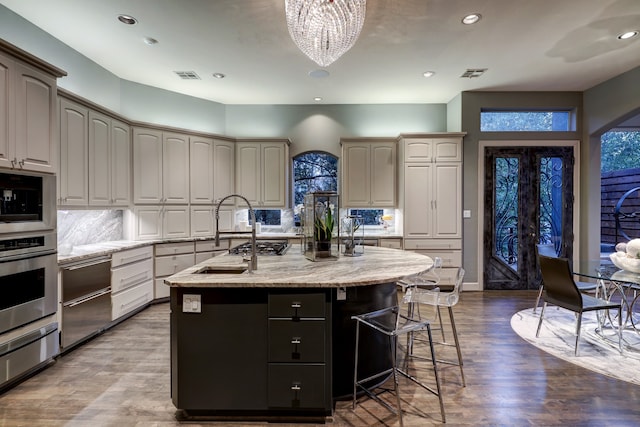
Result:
[86,300]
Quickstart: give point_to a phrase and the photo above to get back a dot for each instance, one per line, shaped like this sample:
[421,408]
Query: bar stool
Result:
[416,296]
[392,323]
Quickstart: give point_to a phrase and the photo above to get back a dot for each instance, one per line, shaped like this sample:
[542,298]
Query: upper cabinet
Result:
[160,167]
[109,161]
[212,169]
[73,183]
[429,150]
[368,173]
[262,172]
[27,111]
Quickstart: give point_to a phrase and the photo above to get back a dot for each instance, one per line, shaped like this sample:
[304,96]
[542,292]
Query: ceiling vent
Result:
[187,75]
[473,72]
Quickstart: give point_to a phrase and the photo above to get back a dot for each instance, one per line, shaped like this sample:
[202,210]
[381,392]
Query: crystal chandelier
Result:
[325,29]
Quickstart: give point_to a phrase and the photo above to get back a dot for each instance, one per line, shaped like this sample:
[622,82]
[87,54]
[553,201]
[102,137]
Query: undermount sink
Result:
[223,269]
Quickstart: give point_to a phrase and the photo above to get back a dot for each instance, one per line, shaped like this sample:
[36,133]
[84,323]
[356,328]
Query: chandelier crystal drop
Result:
[325,29]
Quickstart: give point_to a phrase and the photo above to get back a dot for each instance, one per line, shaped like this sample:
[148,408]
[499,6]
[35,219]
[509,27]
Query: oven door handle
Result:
[87,298]
[88,264]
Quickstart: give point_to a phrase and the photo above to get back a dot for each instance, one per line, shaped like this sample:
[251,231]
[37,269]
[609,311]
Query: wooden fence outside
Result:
[613,186]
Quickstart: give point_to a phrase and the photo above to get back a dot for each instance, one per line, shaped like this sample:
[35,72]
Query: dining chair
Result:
[548,250]
[561,290]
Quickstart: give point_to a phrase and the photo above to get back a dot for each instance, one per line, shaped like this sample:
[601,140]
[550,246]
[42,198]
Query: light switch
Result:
[191,303]
[466,213]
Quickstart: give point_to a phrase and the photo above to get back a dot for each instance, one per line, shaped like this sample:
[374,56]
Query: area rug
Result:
[597,354]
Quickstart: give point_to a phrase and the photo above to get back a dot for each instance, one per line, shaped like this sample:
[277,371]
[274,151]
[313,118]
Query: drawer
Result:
[297,386]
[130,299]
[297,305]
[449,258]
[210,245]
[168,265]
[302,341]
[130,275]
[391,243]
[427,244]
[131,255]
[174,248]
[161,290]
[203,256]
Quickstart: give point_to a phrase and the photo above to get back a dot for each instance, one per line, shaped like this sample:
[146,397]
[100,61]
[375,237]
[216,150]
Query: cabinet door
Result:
[120,163]
[356,181]
[418,203]
[148,222]
[175,221]
[147,166]
[383,174]
[175,170]
[201,169]
[6,111]
[248,172]
[99,159]
[73,154]
[447,149]
[223,170]
[418,150]
[447,212]
[274,175]
[202,221]
[35,102]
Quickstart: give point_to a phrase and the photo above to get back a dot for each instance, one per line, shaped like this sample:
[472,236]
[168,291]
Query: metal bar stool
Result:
[392,323]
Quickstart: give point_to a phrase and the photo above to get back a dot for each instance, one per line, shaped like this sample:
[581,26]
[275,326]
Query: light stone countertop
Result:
[377,265]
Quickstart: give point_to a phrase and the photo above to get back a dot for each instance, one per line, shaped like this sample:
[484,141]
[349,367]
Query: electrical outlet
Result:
[341,294]
[191,303]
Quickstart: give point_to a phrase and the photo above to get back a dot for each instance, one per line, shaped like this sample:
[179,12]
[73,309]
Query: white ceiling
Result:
[526,45]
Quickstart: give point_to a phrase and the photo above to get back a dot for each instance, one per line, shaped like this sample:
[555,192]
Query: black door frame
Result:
[482,145]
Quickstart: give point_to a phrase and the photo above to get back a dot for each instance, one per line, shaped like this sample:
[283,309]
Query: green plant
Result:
[324,222]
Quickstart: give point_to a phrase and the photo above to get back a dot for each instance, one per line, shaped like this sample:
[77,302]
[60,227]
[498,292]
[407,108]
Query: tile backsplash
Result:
[83,227]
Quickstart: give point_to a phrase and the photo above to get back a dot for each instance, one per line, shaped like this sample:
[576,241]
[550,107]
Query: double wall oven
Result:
[28,273]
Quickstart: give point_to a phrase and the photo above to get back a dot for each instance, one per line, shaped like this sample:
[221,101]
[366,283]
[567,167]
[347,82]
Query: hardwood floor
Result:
[121,378]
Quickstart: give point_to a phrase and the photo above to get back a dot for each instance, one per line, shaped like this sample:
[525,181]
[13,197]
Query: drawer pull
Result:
[296,304]
[296,340]
[296,387]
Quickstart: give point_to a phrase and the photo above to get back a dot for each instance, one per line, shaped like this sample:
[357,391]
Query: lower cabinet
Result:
[450,250]
[171,258]
[257,353]
[131,280]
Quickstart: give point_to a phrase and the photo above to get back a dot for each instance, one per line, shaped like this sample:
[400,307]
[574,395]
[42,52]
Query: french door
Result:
[528,202]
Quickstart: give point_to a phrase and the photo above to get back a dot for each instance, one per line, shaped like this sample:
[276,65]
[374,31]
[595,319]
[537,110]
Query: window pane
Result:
[507,171]
[314,171]
[369,216]
[267,216]
[525,121]
[551,197]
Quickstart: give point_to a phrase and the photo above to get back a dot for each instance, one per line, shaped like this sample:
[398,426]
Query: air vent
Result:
[187,75]
[473,72]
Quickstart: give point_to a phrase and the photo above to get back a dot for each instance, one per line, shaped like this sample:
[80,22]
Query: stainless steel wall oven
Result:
[28,274]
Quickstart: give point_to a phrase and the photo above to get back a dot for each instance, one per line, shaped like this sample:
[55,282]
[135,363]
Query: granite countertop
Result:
[376,265]
[84,252]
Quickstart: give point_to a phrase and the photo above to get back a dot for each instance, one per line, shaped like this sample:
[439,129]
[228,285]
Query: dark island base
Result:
[239,358]
[374,347]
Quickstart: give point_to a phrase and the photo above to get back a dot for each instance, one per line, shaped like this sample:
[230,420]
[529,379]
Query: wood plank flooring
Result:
[121,378]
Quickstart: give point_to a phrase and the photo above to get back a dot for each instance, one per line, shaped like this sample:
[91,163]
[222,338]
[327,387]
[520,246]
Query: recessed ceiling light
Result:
[428,74]
[471,18]
[127,19]
[219,75]
[319,74]
[317,99]
[628,35]
[150,41]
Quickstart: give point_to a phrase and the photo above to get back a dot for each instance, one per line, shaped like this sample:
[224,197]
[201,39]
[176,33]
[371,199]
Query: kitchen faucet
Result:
[253,262]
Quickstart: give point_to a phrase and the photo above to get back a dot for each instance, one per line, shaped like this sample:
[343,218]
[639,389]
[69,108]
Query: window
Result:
[267,216]
[369,216]
[314,171]
[619,150]
[525,121]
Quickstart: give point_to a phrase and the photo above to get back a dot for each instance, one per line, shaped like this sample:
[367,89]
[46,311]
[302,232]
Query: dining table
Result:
[615,284]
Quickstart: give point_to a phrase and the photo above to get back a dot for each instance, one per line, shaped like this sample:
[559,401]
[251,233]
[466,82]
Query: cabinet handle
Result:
[21,163]
[296,387]
[296,340]
[296,304]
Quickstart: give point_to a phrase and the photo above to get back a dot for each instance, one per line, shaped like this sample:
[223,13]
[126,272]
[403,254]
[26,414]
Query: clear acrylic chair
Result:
[392,323]
[416,296]
[428,280]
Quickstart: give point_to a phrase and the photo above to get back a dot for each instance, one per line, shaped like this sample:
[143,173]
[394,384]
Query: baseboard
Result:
[471,286]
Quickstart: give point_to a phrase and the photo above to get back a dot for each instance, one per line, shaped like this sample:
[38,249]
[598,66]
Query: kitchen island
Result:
[277,343]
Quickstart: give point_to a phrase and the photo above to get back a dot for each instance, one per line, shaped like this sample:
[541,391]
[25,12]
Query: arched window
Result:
[314,171]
